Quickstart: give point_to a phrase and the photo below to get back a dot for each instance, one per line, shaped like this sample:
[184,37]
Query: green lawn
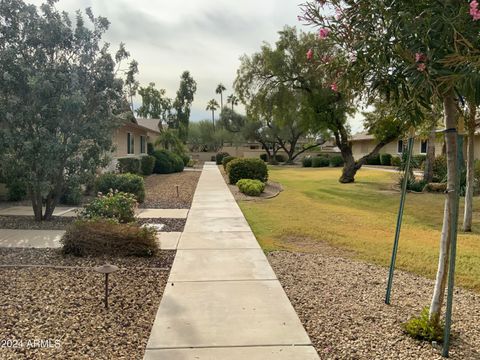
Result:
[361,218]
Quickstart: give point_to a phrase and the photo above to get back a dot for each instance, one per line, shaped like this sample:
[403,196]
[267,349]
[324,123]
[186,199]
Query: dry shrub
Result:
[104,237]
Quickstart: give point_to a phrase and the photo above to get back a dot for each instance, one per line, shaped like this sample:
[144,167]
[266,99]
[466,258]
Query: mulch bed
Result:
[61,223]
[64,308]
[340,302]
[161,191]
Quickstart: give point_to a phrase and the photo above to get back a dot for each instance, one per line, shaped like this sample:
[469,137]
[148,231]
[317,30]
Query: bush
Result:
[418,161]
[307,161]
[255,169]
[440,169]
[320,161]
[128,183]
[336,161]
[374,160]
[177,162]
[413,184]
[264,157]
[396,161]
[421,328]
[129,165]
[226,160]
[386,159]
[186,159]
[167,162]
[250,187]
[104,237]
[16,190]
[72,194]
[280,158]
[147,164]
[219,157]
[117,206]
[150,148]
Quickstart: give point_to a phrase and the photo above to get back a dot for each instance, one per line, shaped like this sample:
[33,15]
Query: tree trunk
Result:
[350,167]
[428,172]
[467,216]
[213,120]
[36,204]
[450,114]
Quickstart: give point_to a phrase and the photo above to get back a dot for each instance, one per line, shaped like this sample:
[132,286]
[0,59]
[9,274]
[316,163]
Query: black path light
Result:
[106,269]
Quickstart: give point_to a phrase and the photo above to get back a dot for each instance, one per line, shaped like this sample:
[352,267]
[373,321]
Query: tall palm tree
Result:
[220,89]
[232,99]
[212,105]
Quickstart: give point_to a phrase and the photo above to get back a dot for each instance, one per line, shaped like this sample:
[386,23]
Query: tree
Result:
[434,57]
[169,140]
[60,98]
[155,105]
[202,138]
[219,90]
[183,104]
[212,106]
[470,178]
[233,100]
[232,121]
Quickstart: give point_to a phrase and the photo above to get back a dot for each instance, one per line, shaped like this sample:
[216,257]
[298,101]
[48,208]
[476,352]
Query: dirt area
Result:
[58,313]
[272,189]
[161,190]
[340,301]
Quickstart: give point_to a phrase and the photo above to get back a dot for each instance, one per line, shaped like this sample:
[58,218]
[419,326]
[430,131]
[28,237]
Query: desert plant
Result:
[336,161]
[250,187]
[320,161]
[307,161]
[106,237]
[147,164]
[128,183]
[117,206]
[238,169]
[386,159]
[422,328]
[226,160]
[129,165]
[219,157]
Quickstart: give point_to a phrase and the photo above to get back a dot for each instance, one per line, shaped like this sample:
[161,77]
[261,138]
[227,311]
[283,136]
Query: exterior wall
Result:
[120,142]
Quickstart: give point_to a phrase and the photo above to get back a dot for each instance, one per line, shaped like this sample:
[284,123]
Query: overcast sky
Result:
[206,37]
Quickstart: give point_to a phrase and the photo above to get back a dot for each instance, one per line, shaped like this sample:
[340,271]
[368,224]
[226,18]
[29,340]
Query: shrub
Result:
[167,162]
[440,169]
[418,161]
[104,237]
[238,169]
[118,206]
[396,161]
[421,328]
[386,159]
[226,160]
[129,165]
[413,184]
[177,162]
[16,190]
[374,160]
[280,158]
[320,161]
[186,159]
[72,194]
[213,158]
[250,187]
[219,157]
[336,161]
[150,148]
[128,183]
[264,157]
[307,161]
[147,164]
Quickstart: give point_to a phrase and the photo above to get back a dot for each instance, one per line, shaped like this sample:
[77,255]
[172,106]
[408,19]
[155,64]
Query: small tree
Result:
[60,98]
[182,105]
[212,106]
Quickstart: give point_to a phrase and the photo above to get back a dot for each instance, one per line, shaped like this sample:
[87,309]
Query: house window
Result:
[130,144]
[400,146]
[423,146]
[143,143]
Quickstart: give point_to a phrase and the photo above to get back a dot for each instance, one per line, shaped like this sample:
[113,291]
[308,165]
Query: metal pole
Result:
[453,250]
[399,218]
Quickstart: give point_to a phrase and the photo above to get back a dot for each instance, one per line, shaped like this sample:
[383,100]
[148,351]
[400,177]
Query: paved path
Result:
[223,300]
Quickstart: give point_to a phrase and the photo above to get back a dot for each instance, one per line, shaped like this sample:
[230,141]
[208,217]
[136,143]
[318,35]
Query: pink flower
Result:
[323,33]
[474,12]
[334,87]
[421,67]
[420,57]
[326,59]
[338,13]
[309,54]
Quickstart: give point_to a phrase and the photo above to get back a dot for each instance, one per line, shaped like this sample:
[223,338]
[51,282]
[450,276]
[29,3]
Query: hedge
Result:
[129,165]
[167,162]
[307,161]
[385,159]
[147,164]
[320,161]
[255,169]
[336,161]
[128,183]
[374,160]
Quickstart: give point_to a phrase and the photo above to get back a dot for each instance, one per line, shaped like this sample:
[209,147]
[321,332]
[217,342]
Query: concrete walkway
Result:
[223,300]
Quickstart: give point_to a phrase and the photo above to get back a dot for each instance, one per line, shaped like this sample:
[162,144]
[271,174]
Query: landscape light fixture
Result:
[106,269]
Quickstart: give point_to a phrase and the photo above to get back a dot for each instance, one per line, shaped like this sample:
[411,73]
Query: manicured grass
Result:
[360,218]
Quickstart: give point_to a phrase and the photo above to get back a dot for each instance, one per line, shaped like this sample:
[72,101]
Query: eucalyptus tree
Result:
[183,105]
[155,105]
[60,98]
[415,52]
[219,90]
[212,106]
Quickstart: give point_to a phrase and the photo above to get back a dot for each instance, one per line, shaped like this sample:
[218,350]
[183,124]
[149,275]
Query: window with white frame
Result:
[400,146]
[130,144]
[423,147]
[143,144]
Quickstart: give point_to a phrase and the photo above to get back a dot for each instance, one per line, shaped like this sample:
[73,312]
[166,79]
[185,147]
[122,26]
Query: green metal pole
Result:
[453,250]
[399,220]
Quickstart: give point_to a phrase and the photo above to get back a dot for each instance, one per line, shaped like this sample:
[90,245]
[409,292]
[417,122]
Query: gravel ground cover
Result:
[61,223]
[341,304]
[161,191]
[51,313]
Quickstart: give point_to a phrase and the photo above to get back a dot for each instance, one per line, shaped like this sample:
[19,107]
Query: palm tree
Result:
[232,99]
[213,106]
[220,89]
